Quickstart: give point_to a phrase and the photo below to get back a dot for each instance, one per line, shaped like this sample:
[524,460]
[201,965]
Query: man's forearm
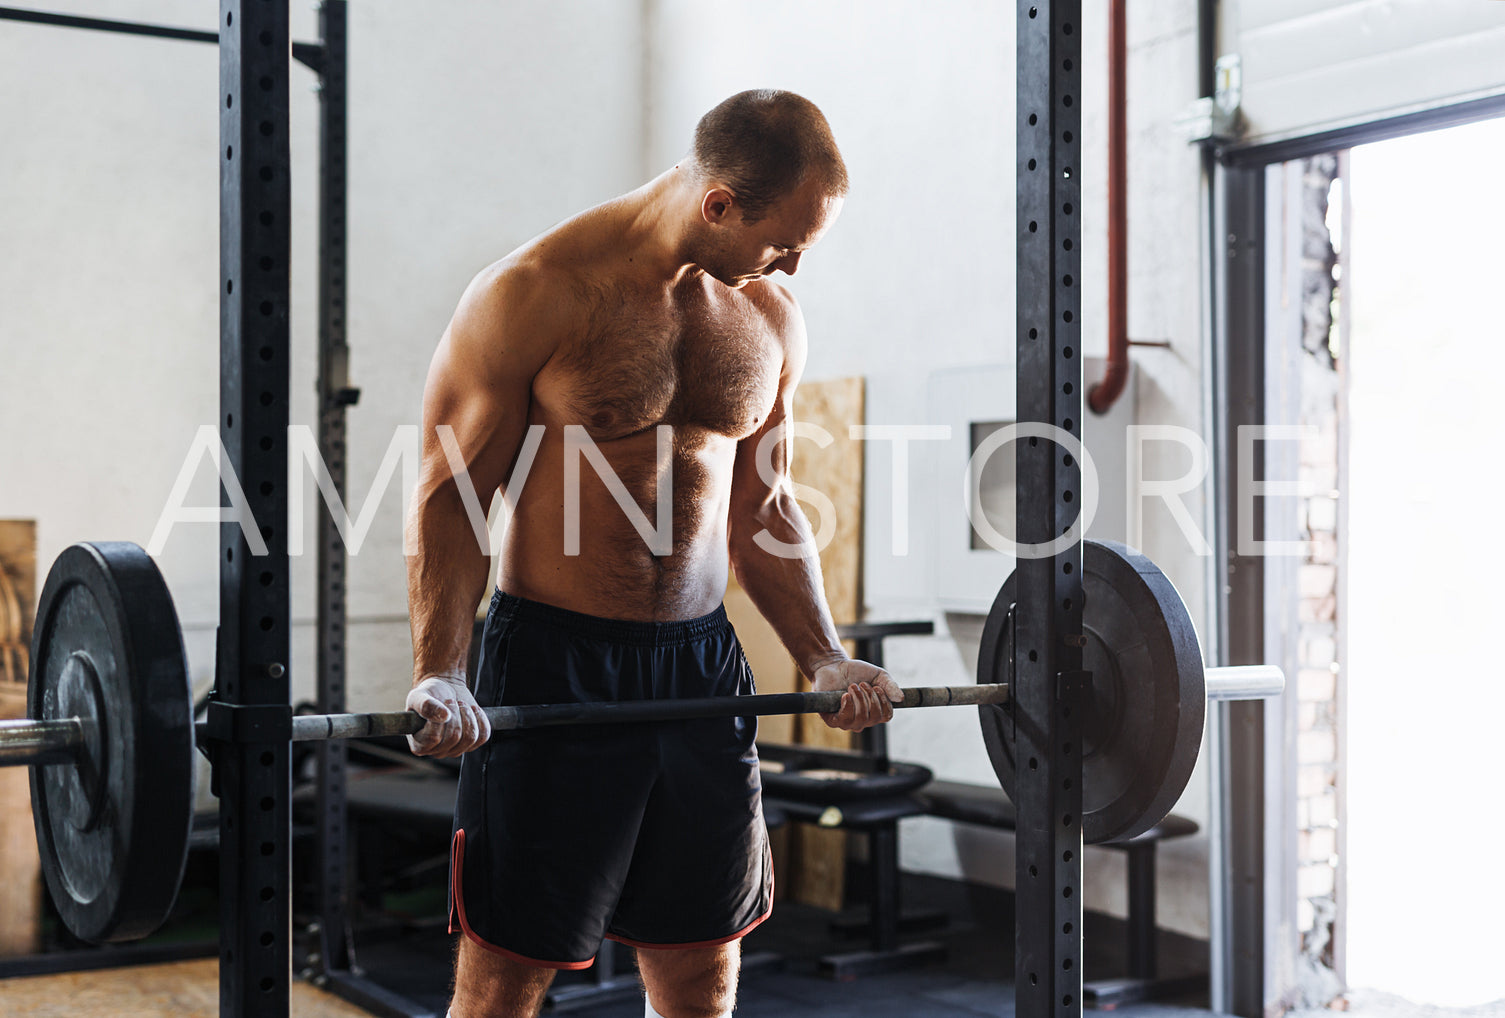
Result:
[787,591]
[447,576]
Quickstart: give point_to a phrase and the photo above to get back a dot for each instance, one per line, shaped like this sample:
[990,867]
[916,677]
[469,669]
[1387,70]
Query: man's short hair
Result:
[762,144]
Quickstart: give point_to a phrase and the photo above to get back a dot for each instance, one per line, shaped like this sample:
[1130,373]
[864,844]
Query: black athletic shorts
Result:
[651,834]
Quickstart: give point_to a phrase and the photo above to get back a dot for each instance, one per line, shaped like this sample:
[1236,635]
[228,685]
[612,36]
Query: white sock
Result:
[648,1011]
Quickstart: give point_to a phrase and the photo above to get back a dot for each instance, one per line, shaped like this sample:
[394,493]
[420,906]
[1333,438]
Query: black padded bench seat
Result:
[988,806]
[856,814]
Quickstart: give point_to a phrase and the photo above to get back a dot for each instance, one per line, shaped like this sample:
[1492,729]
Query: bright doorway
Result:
[1424,278]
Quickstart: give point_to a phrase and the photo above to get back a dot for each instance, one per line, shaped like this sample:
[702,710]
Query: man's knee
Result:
[690,984]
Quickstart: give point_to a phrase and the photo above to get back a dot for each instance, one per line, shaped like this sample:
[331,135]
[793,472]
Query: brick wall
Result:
[1319,778]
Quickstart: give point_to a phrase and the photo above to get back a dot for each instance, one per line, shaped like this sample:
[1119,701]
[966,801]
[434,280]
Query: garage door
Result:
[1314,65]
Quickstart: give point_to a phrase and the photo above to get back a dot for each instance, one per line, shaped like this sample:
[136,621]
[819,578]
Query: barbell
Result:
[110,733]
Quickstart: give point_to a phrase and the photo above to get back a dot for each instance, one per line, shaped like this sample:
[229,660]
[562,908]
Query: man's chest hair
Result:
[640,364]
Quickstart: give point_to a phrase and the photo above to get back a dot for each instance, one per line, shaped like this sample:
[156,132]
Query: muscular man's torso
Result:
[697,356]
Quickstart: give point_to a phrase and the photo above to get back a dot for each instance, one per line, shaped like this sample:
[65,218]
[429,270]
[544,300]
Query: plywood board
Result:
[18,595]
[836,472]
[21,888]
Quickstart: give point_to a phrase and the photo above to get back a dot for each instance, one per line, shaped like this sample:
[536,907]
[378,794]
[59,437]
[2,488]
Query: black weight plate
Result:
[1143,725]
[112,828]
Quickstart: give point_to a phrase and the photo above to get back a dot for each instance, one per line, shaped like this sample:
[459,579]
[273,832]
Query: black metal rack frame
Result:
[252,684]
[1047,643]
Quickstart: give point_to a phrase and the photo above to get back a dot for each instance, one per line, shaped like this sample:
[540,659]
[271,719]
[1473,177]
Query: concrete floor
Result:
[928,994]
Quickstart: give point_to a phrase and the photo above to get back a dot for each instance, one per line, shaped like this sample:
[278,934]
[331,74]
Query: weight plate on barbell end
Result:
[113,827]
[1148,699]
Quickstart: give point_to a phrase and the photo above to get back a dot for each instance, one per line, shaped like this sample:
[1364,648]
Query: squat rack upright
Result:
[1048,632]
[255,249]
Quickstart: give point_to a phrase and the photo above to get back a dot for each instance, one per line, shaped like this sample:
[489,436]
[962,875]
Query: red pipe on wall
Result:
[1105,392]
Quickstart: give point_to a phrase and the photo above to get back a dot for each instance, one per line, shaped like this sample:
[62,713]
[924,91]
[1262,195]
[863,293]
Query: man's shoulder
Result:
[774,302]
[512,318]
[569,250]
[780,310]
[527,284]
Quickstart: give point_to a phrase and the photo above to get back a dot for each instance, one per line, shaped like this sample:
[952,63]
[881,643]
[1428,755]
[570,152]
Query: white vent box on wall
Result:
[976,402]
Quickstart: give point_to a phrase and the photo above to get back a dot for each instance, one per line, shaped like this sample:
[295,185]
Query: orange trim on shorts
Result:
[457,910]
[704,943]
[710,943]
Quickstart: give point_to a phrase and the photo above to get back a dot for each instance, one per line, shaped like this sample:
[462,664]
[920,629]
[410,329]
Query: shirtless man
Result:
[654,309]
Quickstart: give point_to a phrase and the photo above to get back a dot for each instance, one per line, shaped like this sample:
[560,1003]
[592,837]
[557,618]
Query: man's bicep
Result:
[470,424]
[762,464]
[761,474]
[762,467]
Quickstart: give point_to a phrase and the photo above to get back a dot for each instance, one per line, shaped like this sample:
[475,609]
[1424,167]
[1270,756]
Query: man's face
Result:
[743,251]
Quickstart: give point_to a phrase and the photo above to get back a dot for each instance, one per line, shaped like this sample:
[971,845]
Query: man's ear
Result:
[716,205]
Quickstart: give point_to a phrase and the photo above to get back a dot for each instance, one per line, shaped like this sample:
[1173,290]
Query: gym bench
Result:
[986,806]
